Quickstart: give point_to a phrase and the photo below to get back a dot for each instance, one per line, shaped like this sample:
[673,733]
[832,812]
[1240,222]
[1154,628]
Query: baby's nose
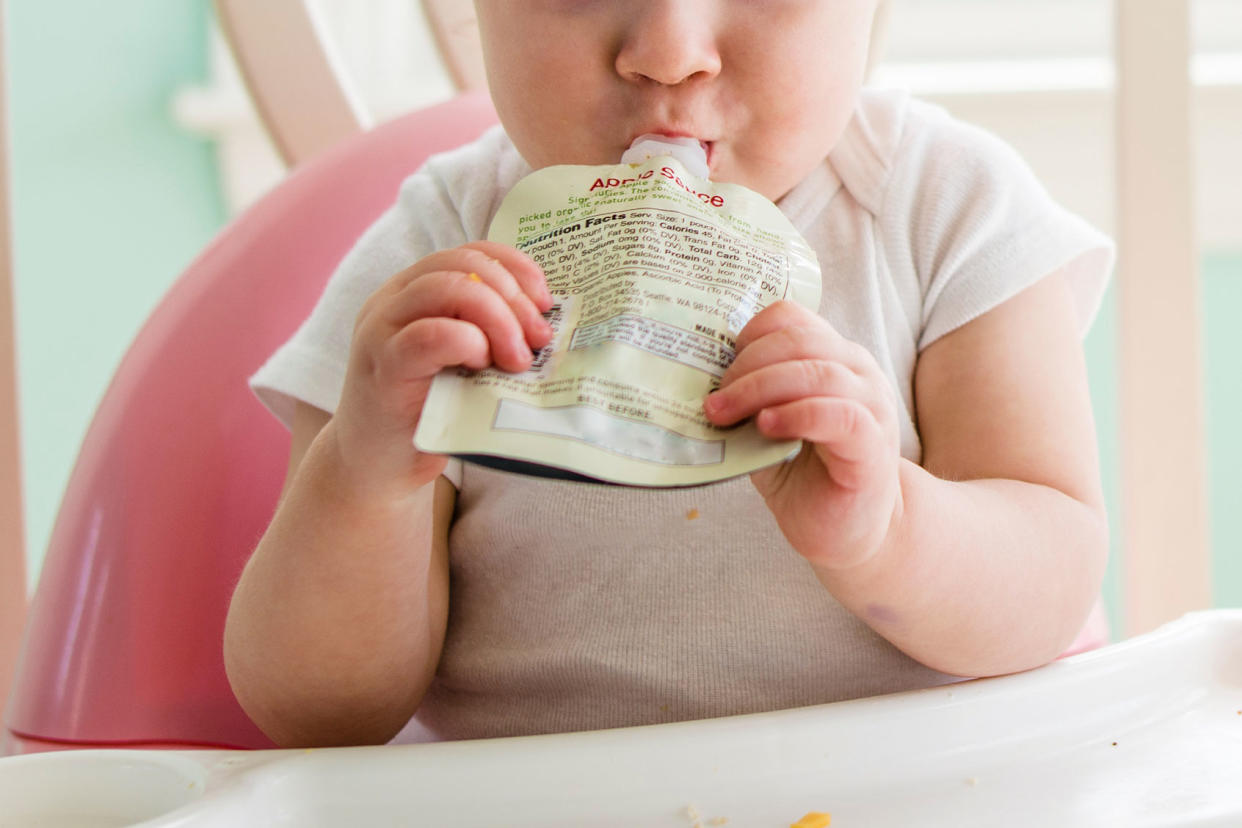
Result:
[670,42]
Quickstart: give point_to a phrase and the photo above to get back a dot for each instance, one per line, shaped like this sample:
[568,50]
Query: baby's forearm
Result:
[335,628]
[980,577]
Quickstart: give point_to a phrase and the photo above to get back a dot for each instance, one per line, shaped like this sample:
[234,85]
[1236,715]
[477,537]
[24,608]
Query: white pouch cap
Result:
[689,151]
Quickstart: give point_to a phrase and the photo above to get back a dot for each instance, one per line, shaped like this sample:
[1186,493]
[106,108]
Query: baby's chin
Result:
[772,179]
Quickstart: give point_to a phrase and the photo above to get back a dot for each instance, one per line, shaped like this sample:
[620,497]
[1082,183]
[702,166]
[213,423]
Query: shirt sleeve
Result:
[447,203]
[310,366]
[980,228]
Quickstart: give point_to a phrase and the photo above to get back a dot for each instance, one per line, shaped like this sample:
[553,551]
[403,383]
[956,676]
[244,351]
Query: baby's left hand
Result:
[838,498]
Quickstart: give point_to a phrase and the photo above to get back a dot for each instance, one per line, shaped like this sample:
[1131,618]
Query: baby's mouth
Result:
[708,147]
[647,144]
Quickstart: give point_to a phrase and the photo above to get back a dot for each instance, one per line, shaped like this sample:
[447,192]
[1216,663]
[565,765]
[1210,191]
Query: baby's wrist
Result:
[870,557]
[370,479]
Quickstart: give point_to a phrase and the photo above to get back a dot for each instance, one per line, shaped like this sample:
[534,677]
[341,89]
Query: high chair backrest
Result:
[294,75]
[12,542]
[181,467]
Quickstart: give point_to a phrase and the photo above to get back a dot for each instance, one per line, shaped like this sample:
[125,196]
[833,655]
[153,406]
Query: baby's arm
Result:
[335,628]
[986,559]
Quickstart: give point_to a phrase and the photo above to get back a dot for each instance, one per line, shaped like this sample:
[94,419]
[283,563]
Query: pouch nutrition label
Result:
[654,272]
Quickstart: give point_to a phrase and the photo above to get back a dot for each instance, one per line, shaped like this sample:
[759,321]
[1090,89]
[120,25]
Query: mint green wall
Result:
[1222,335]
[110,201]
[1101,348]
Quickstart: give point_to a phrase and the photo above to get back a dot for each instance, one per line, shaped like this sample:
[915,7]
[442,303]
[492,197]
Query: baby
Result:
[943,519]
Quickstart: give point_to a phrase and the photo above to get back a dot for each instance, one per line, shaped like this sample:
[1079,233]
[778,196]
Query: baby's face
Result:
[768,84]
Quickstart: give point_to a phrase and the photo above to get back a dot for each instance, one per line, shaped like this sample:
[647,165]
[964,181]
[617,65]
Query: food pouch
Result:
[654,272]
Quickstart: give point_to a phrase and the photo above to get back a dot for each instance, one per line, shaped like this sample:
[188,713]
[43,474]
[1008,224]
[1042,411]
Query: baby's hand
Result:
[836,500]
[476,306]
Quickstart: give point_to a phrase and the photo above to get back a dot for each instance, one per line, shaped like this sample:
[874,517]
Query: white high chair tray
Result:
[1147,732]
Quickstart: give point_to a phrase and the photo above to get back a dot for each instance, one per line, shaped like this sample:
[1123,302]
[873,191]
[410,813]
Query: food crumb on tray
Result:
[814,819]
[696,819]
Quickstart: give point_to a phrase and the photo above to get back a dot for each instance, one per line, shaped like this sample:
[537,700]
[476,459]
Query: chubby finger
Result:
[791,342]
[517,278]
[425,347]
[457,295]
[846,428]
[526,273]
[778,315]
[784,382]
[509,272]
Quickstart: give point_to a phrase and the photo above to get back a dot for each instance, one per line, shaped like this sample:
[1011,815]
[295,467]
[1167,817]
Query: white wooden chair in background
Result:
[1167,564]
[304,99]
[297,83]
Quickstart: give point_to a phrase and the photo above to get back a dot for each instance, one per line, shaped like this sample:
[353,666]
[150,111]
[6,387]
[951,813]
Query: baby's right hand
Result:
[477,305]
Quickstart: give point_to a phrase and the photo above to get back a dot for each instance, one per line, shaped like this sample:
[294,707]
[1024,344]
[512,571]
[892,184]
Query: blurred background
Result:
[132,143]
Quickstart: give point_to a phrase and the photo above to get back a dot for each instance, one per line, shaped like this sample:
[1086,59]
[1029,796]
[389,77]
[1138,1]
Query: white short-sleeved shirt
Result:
[577,606]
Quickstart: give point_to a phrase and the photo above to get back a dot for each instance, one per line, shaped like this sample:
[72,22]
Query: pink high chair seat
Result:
[180,470]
